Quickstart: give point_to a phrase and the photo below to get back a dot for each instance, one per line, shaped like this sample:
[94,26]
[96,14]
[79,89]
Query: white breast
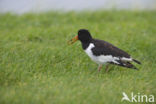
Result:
[102,59]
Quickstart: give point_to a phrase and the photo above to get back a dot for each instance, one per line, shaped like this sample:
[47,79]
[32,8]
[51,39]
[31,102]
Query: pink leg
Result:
[107,69]
[99,68]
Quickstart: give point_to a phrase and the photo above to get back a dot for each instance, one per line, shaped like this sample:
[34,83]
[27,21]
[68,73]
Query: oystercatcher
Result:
[103,52]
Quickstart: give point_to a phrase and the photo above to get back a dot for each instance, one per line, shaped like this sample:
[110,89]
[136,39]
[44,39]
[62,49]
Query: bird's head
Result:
[83,35]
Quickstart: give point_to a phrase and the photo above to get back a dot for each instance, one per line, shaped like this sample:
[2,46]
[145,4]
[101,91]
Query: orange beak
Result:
[73,40]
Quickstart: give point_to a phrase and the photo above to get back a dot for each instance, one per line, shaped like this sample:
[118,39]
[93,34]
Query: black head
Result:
[84,36]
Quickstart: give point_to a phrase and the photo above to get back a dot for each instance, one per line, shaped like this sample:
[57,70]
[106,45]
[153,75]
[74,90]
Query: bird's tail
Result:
[129,65]
[126,64]
[136,61]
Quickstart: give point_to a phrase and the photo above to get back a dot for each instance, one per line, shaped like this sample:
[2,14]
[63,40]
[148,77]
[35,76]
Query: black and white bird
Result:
[103,52]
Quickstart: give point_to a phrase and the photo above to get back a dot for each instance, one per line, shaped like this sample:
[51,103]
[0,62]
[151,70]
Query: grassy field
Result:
[38,67]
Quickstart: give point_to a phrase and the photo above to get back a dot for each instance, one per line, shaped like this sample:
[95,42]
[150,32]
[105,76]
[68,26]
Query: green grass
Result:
[37,66]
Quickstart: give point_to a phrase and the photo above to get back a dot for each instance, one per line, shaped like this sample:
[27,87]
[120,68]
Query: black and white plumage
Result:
[103,52]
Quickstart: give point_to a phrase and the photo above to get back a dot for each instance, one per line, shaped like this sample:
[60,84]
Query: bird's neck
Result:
[85,45]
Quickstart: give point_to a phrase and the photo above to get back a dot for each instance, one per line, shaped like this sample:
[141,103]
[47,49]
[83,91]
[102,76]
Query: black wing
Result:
[125,64]
[105,48]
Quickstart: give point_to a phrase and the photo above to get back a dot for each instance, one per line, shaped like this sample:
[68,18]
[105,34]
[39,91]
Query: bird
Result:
[103,52]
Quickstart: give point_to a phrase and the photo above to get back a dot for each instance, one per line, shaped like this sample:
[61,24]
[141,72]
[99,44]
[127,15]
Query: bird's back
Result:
[105,48]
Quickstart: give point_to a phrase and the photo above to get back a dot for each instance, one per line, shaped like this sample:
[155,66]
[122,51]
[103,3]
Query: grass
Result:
[37,66]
